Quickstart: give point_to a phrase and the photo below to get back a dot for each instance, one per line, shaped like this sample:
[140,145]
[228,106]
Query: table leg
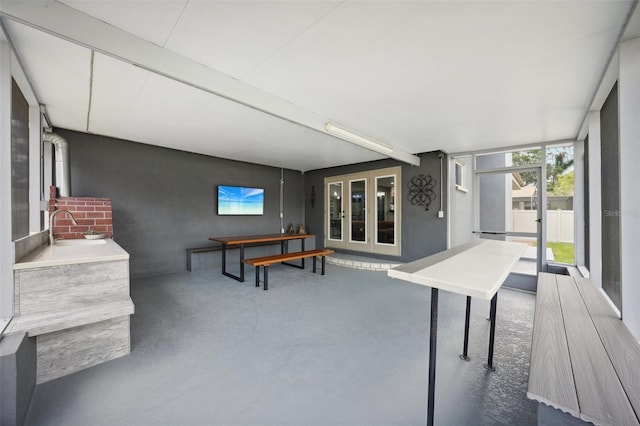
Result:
[242,262]
[266,277]
[257,276]
[285,249]
[492,332]
[224,259]
[433,337]
[302,247]
[224,263]
[465,348]
[323,263]
[314,264]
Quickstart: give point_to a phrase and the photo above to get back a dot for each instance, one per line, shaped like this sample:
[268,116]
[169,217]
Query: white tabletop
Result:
[475,269]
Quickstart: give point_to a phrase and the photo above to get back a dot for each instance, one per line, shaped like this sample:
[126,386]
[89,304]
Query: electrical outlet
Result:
[440,214]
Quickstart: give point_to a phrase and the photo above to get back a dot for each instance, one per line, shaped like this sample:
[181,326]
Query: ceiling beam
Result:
[69,24]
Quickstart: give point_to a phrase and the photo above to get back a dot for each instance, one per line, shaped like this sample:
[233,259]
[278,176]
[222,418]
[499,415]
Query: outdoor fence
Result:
[559,224]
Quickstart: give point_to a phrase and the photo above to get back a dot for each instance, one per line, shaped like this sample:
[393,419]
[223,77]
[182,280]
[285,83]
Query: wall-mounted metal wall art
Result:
[421,190]
[313,196]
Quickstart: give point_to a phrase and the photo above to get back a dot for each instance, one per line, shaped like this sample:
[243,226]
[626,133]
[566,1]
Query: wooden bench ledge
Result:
[265,261]
[278,258]
[584,361]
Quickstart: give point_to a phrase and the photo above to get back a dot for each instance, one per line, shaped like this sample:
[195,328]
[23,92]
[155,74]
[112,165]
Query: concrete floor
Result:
[349,348]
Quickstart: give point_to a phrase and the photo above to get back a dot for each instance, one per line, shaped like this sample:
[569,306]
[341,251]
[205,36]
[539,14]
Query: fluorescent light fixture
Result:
[364,142]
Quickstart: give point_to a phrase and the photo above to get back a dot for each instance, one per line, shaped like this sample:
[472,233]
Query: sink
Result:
[75,243]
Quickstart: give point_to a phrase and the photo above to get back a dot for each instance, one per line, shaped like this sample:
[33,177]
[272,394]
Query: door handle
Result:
[491,232]
[539,220]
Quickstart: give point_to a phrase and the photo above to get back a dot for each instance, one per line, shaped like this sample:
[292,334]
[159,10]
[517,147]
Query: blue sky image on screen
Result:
[240,200]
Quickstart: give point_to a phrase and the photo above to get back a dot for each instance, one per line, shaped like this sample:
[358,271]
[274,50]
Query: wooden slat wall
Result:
[601,396]
[551,379]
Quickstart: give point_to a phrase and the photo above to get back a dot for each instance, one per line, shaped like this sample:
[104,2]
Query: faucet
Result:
[52,218]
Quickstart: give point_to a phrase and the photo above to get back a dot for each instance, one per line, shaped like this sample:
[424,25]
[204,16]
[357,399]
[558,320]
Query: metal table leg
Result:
[257,276]
[433,337]
[285,249]
[224,259]
[224,263]
[242,262]
[465,348]
[265,268]
[492,332]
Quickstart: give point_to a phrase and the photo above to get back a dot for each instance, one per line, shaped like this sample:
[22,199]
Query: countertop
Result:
[67,252]
[475,269]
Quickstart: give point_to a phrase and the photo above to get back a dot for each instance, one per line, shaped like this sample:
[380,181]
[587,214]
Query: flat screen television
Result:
[240,200]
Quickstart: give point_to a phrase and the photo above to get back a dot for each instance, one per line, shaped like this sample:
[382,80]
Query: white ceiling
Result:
[419,75]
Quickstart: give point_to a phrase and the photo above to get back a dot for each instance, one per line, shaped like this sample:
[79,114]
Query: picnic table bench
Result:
[265,261]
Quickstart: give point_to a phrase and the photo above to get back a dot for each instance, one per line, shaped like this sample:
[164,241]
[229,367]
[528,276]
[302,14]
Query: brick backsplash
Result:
[90,212]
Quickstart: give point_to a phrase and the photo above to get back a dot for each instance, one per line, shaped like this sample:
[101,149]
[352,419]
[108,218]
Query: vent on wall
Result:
[62,167]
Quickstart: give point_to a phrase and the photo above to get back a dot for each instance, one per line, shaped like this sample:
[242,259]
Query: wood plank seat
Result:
[584,360]
[265,261]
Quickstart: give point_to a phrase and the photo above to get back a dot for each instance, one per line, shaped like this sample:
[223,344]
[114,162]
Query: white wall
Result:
[629,116]
[6,245]
[595,200]
[10,69]
[579,200]
[461,214]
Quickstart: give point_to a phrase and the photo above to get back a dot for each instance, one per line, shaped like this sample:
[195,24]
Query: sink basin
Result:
[75,243]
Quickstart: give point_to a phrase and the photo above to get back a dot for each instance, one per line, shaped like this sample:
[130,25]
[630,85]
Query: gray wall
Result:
[423,233]
[493,196]
[610,187]
[164,200]
[17,377]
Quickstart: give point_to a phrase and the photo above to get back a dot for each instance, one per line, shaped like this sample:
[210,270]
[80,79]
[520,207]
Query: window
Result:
[385,232]
[560,207]
[19,164]
[459,176]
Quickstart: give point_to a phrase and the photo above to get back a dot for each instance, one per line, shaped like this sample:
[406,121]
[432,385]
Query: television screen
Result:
[240,200]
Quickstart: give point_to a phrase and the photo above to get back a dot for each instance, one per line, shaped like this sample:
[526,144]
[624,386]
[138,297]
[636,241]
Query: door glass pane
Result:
[357,191]
[560,229]
[335,211]
[509,212]
[385,210]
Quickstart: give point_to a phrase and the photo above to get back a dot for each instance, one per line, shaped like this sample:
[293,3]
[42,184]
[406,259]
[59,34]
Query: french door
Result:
[362,211]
